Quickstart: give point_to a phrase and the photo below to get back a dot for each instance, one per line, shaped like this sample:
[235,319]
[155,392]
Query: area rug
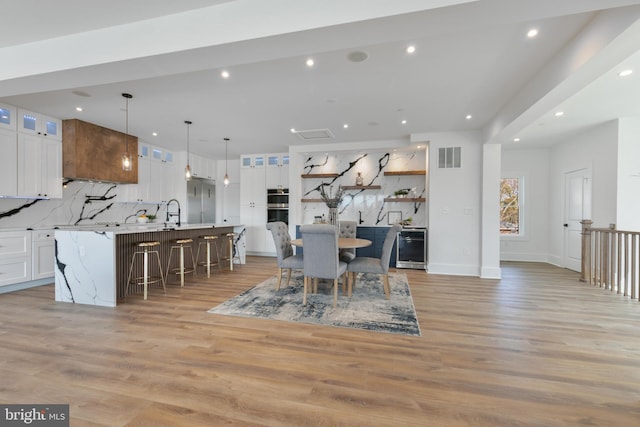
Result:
[366,309]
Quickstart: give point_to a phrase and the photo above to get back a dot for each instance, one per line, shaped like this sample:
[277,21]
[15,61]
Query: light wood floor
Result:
[537,348]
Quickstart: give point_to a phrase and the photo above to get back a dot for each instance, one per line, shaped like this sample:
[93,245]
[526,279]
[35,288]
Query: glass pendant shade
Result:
[187,170]
[226,174]
[127,161]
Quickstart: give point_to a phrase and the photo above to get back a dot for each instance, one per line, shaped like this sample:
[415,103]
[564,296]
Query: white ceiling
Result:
[472,57]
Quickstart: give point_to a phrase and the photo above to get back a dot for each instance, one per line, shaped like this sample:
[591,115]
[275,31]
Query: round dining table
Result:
[343,242]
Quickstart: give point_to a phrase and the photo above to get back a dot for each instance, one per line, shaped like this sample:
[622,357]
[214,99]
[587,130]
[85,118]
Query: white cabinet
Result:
[252,161]
[157,180]
[8,162]
[39,173]
[15,257]
[201,167]
[43,254]
[38,124]
[277,170]
[8,117]
[253,207]
[162,179]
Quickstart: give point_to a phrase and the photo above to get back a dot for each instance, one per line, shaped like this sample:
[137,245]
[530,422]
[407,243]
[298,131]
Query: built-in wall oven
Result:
[412,248]
[278,205]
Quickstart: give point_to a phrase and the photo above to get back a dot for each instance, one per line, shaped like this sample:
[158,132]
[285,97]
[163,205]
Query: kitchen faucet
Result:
[360,221]
[172,214]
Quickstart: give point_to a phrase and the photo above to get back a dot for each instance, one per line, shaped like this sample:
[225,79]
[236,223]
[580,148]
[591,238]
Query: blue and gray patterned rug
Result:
[367,308]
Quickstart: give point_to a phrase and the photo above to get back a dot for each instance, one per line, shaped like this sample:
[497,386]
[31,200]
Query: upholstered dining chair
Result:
[347,229]
[375,265]
[284,251]
[321,257]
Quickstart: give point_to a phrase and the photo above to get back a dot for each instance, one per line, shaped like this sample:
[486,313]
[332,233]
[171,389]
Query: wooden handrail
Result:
[610,259]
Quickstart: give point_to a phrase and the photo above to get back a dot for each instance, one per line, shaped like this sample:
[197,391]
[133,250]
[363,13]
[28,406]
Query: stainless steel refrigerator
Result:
[201,201]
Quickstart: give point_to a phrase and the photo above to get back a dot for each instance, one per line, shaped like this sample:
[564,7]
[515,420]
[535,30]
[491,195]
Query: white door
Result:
[577,201]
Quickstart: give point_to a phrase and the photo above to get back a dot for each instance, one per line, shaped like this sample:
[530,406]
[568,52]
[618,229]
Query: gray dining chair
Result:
[347,229]
[321,257]
[284,251]
[375,265]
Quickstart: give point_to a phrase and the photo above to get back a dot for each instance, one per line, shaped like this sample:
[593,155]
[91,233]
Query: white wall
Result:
[533,166]
[454,205]
[628,207]
[594,149]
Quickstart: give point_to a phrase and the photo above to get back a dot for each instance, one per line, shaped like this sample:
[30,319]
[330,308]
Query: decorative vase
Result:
[333,216]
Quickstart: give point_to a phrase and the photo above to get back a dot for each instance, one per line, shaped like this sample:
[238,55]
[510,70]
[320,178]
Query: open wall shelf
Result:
[398,173]
[404,199]
[361,187]
[319,175]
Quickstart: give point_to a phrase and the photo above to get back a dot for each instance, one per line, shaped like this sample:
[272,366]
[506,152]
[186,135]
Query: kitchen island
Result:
[92,264]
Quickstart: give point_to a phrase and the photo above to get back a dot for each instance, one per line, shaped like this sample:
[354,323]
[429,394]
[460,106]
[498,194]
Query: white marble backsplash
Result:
[83,203]
[367,206]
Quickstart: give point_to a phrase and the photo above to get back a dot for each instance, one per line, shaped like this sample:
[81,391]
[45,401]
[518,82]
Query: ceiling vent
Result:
[314,134]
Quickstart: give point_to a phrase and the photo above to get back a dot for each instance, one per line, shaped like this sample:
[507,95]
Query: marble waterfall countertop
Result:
[92,262]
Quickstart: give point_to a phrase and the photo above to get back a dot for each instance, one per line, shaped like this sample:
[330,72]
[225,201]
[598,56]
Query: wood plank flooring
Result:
[537,348]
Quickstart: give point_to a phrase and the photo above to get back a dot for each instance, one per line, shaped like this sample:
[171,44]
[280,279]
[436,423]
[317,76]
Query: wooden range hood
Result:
[94,153]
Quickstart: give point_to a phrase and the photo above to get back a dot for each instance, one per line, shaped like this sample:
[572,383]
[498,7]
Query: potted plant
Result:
[402,193]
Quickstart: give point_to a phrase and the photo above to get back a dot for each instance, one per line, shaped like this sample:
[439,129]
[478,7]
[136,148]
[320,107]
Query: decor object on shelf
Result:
[401,193]
[359,180]
[226,151]
[127,162]
[332,202]
[187,170]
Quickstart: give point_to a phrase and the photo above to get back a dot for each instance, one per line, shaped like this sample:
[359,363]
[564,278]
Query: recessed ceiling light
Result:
[419,146]
[293,130]
[411,49]
[346,125]
[625,73]
[154,133]
[78,108]
[468,116]
[224,74]
[310,62]
[404,122]
[559,113]
[532,33]
[516,139]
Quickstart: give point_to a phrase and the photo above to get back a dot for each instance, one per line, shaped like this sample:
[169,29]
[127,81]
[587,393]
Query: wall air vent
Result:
[314,134]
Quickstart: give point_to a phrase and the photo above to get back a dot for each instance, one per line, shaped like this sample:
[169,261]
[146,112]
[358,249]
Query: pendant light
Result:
[226,150]
[127,162]
[187,170]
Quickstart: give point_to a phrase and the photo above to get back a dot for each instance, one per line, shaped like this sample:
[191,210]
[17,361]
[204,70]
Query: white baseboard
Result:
[26,285]
[523,256]
[454,269]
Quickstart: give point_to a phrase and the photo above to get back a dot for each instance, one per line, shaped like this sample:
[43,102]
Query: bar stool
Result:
[208,242]
[230,253]
[143,248]
[180,245]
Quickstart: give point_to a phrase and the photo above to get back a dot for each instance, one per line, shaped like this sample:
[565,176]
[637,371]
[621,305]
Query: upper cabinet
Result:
[39,124]
[8,163]
[277,170]
[252,161]
[8,117]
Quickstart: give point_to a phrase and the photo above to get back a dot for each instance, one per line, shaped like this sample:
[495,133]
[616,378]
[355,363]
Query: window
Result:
[511,206]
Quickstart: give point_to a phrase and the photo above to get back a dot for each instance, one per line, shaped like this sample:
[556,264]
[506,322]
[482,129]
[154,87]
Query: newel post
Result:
[586,250]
